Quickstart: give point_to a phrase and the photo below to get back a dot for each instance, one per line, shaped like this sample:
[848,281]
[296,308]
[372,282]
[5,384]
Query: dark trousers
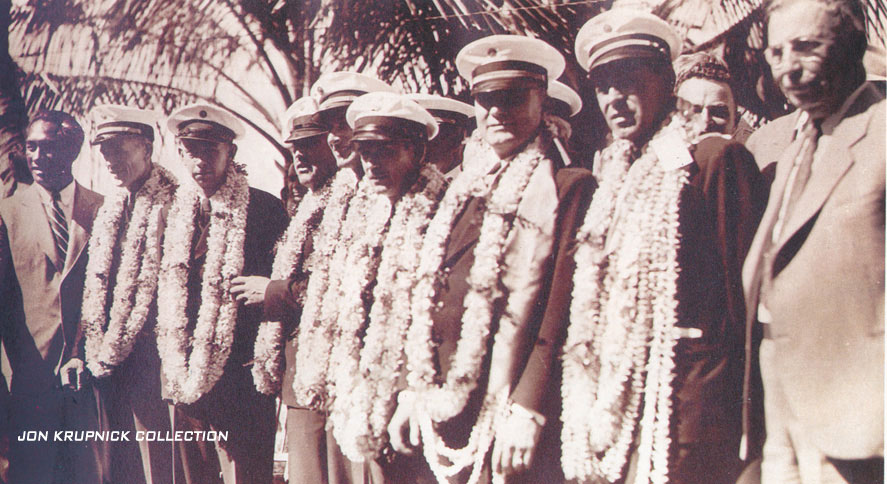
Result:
[129,399]
[53,461]
[246,457]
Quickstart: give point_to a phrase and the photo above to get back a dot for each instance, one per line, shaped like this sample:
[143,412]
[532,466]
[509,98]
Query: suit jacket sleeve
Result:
[575,188]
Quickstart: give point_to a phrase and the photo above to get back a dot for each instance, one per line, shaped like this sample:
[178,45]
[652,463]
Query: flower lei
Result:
[364,380]
[190,374]
[437,402]
[268,357]
[111,332]
[620,342]
[315,337]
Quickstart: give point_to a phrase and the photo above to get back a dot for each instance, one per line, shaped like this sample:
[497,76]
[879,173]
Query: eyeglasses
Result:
[808,51]
[716,111]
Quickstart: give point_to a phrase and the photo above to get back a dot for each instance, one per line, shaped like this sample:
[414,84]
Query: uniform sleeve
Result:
[575,188]
[283,301]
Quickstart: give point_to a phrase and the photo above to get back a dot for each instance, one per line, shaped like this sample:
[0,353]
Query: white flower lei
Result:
[364,380]
[267,359]
[193,365]
[110,334]
[439,402]
[314,340]
[624,305]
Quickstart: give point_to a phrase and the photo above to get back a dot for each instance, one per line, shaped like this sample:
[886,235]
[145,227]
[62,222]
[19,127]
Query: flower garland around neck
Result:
[111,329]
[437,402]
[192,365]
[315,336]
[364,380]
[619,349]
[268,357]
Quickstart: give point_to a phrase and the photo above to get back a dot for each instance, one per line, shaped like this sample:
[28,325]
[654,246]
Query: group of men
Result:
[451,303]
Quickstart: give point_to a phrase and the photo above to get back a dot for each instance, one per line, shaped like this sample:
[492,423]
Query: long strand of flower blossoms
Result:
[443,401]
[111,332]
[267,354]
[315,338]
[366,379]
[193,365]
[624,304]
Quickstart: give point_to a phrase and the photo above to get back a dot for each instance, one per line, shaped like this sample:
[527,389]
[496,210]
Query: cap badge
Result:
[202,113]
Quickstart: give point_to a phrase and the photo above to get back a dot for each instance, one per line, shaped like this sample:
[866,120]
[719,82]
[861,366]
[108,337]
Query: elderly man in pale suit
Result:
[814,276]
[44,229]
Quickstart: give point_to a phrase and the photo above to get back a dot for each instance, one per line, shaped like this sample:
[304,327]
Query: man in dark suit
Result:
[44,230]
[653,349]
[814,277]
[218,228]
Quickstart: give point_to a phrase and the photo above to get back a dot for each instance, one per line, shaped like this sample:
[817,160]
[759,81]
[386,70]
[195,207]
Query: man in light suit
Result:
[814,276]
[44,229]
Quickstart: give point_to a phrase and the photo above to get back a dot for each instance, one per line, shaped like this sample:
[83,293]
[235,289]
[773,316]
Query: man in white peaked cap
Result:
[455,120]
[486,269]
[218,228]
[657,276]
[131,221]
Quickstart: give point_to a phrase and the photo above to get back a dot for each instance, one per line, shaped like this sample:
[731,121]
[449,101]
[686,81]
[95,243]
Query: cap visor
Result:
[371,136]
[305,133]
[505,84]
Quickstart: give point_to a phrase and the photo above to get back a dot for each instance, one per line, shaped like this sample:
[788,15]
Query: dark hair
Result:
[69,130]
[850,28]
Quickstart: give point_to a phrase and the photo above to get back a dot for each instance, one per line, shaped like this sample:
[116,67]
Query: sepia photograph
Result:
[442,241]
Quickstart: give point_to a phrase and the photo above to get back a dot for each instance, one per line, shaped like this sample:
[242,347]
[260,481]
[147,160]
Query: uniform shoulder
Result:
[573,178]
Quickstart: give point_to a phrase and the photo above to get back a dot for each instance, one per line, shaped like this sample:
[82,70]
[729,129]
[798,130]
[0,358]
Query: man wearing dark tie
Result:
[44,229]
[814,276]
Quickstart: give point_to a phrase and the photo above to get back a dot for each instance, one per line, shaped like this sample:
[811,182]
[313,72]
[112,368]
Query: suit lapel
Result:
[752,270]
[79,228]
[32,204]
[834,161]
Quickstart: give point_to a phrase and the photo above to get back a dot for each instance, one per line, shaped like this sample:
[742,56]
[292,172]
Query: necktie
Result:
[807,140]
[59,227]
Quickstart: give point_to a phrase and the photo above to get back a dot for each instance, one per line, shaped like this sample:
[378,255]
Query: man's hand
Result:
[250,289]
[516,440]
[403,421]
[73,374]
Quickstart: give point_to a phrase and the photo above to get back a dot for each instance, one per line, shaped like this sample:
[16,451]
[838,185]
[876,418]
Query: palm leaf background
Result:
[256,56]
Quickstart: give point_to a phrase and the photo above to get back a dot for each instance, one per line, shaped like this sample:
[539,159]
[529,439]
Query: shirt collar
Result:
[829,122]
[66,196]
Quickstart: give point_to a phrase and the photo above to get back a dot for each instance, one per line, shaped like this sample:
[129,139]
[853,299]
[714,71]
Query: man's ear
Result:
[231,152]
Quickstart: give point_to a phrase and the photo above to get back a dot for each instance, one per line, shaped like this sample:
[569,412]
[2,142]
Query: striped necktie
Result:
[59,227]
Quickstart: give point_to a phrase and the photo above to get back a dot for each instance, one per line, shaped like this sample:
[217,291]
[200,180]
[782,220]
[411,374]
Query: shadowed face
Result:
[631,95]
[49,154]
[206,161]
[709,104]
[339,139]
[128,158]
[313,163]
[390,165]
[508,119]
[805,58]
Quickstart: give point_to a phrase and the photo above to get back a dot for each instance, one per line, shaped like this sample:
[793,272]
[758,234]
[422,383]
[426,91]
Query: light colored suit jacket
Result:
[827,293]
[41,298]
